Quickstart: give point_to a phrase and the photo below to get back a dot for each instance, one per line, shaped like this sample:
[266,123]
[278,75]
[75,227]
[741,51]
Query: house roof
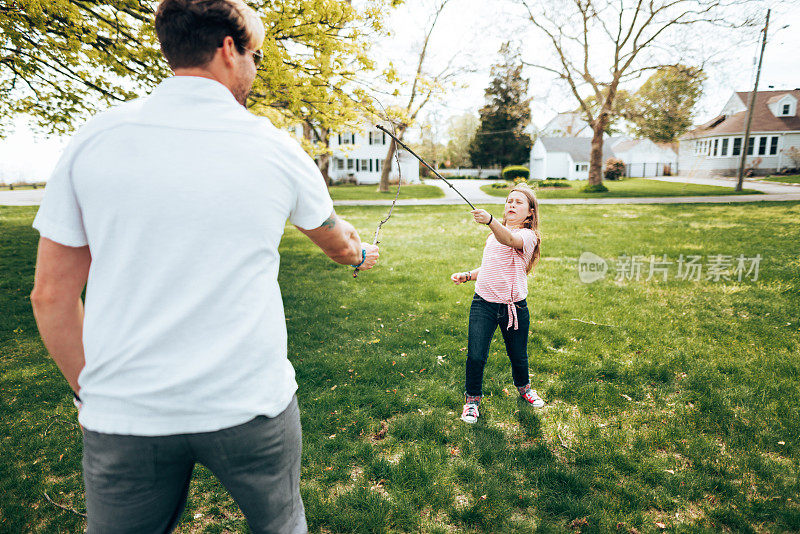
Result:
[579,148]
[763,119]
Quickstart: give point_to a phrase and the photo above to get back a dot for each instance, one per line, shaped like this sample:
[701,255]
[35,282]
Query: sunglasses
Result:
[258,56]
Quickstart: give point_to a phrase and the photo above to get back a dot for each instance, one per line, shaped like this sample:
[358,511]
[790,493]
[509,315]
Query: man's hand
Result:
[371,258]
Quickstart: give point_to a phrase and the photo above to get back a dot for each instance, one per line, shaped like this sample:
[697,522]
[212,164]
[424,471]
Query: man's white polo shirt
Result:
[182,197]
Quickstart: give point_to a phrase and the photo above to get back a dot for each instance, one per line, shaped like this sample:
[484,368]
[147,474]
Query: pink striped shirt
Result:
[502,278]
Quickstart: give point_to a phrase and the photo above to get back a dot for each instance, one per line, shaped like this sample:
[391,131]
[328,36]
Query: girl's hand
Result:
[481,216]
[458,278]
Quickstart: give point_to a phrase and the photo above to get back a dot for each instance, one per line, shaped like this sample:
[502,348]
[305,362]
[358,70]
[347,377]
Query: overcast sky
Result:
[471,31]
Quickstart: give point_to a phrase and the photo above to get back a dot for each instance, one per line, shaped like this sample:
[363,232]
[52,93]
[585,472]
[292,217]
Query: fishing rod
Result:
[402,144]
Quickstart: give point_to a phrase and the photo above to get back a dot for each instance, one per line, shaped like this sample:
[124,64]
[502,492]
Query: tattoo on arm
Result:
[330,222]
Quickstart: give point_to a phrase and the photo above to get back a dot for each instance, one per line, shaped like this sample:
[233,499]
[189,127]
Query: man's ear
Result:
[228,50]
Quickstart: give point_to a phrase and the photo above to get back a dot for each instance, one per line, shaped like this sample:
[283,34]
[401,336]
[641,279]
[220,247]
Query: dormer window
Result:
[784,105]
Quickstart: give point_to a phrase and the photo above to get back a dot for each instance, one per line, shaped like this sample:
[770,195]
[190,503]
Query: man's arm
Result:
[340,242]
[61,274]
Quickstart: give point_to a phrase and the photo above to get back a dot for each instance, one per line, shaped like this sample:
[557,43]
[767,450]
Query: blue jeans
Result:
[484,318]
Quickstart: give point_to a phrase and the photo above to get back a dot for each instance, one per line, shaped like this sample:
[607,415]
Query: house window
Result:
[724,151]
[364,165]
[773,146]
[751,142]
[344,139]
[762,146]
[737,146]
[786,109]
[349,164]
[339,164]
[716,145]
[584,167]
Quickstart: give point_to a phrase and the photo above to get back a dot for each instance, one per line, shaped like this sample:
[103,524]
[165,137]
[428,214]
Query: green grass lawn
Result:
[629,187]
[683,412]
[789,179]
[370,192]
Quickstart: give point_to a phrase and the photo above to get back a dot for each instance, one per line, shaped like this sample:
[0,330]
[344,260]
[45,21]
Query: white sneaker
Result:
[470,413]
[530,396]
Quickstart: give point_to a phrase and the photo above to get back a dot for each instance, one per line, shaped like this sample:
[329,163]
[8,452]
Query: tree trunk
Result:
[386,168]
[383,186]
[596,155]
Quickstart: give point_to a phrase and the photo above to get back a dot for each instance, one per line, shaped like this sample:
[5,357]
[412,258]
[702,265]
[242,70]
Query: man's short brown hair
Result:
[190,31]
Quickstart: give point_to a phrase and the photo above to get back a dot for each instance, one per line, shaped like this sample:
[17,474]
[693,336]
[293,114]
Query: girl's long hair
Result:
[531,222]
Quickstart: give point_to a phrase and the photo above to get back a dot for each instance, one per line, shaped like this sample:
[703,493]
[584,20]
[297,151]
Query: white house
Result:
[644,158]
[568,157]
[563,157]
[716,147]
[567,124]
[359,156]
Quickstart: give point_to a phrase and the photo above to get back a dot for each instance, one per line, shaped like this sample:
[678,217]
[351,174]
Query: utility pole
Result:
[750,109]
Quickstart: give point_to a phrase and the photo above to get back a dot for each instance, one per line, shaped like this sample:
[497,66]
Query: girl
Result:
[511,252]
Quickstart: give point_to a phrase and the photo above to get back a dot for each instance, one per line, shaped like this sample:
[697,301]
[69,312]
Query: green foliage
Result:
[461,131]
[501,138]
[614,169]
[515,171]
[61,60]
[594,188]
[662,109]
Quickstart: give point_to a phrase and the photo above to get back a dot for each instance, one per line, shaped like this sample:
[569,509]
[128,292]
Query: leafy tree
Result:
[62,59]
[662,109]
[641,35]
[461,131]
[501,139]
[424,87]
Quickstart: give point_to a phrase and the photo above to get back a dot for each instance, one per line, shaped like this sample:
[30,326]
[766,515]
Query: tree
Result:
[662,109]
[635,35]
[423,88]
[461,131]
[501,138]
[62,59]
[316,55]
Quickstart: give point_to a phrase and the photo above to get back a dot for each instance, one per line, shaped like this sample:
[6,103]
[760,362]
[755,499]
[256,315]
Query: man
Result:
[170,209]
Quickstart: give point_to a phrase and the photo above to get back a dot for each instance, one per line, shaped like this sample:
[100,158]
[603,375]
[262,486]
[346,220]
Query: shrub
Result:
[499,185]
[615,168]
[554,184]
[515,171]
[594,188]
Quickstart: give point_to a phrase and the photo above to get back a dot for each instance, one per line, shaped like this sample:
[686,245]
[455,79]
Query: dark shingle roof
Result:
[763,119]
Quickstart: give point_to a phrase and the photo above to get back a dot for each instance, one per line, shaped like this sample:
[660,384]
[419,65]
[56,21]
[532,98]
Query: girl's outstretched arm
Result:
[460,278]
[502,233]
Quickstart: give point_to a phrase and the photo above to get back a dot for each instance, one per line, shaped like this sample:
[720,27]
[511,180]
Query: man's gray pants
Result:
[137,484]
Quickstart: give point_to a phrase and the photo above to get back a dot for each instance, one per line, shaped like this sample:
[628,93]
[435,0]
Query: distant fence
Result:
[473,173]
[644,170]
